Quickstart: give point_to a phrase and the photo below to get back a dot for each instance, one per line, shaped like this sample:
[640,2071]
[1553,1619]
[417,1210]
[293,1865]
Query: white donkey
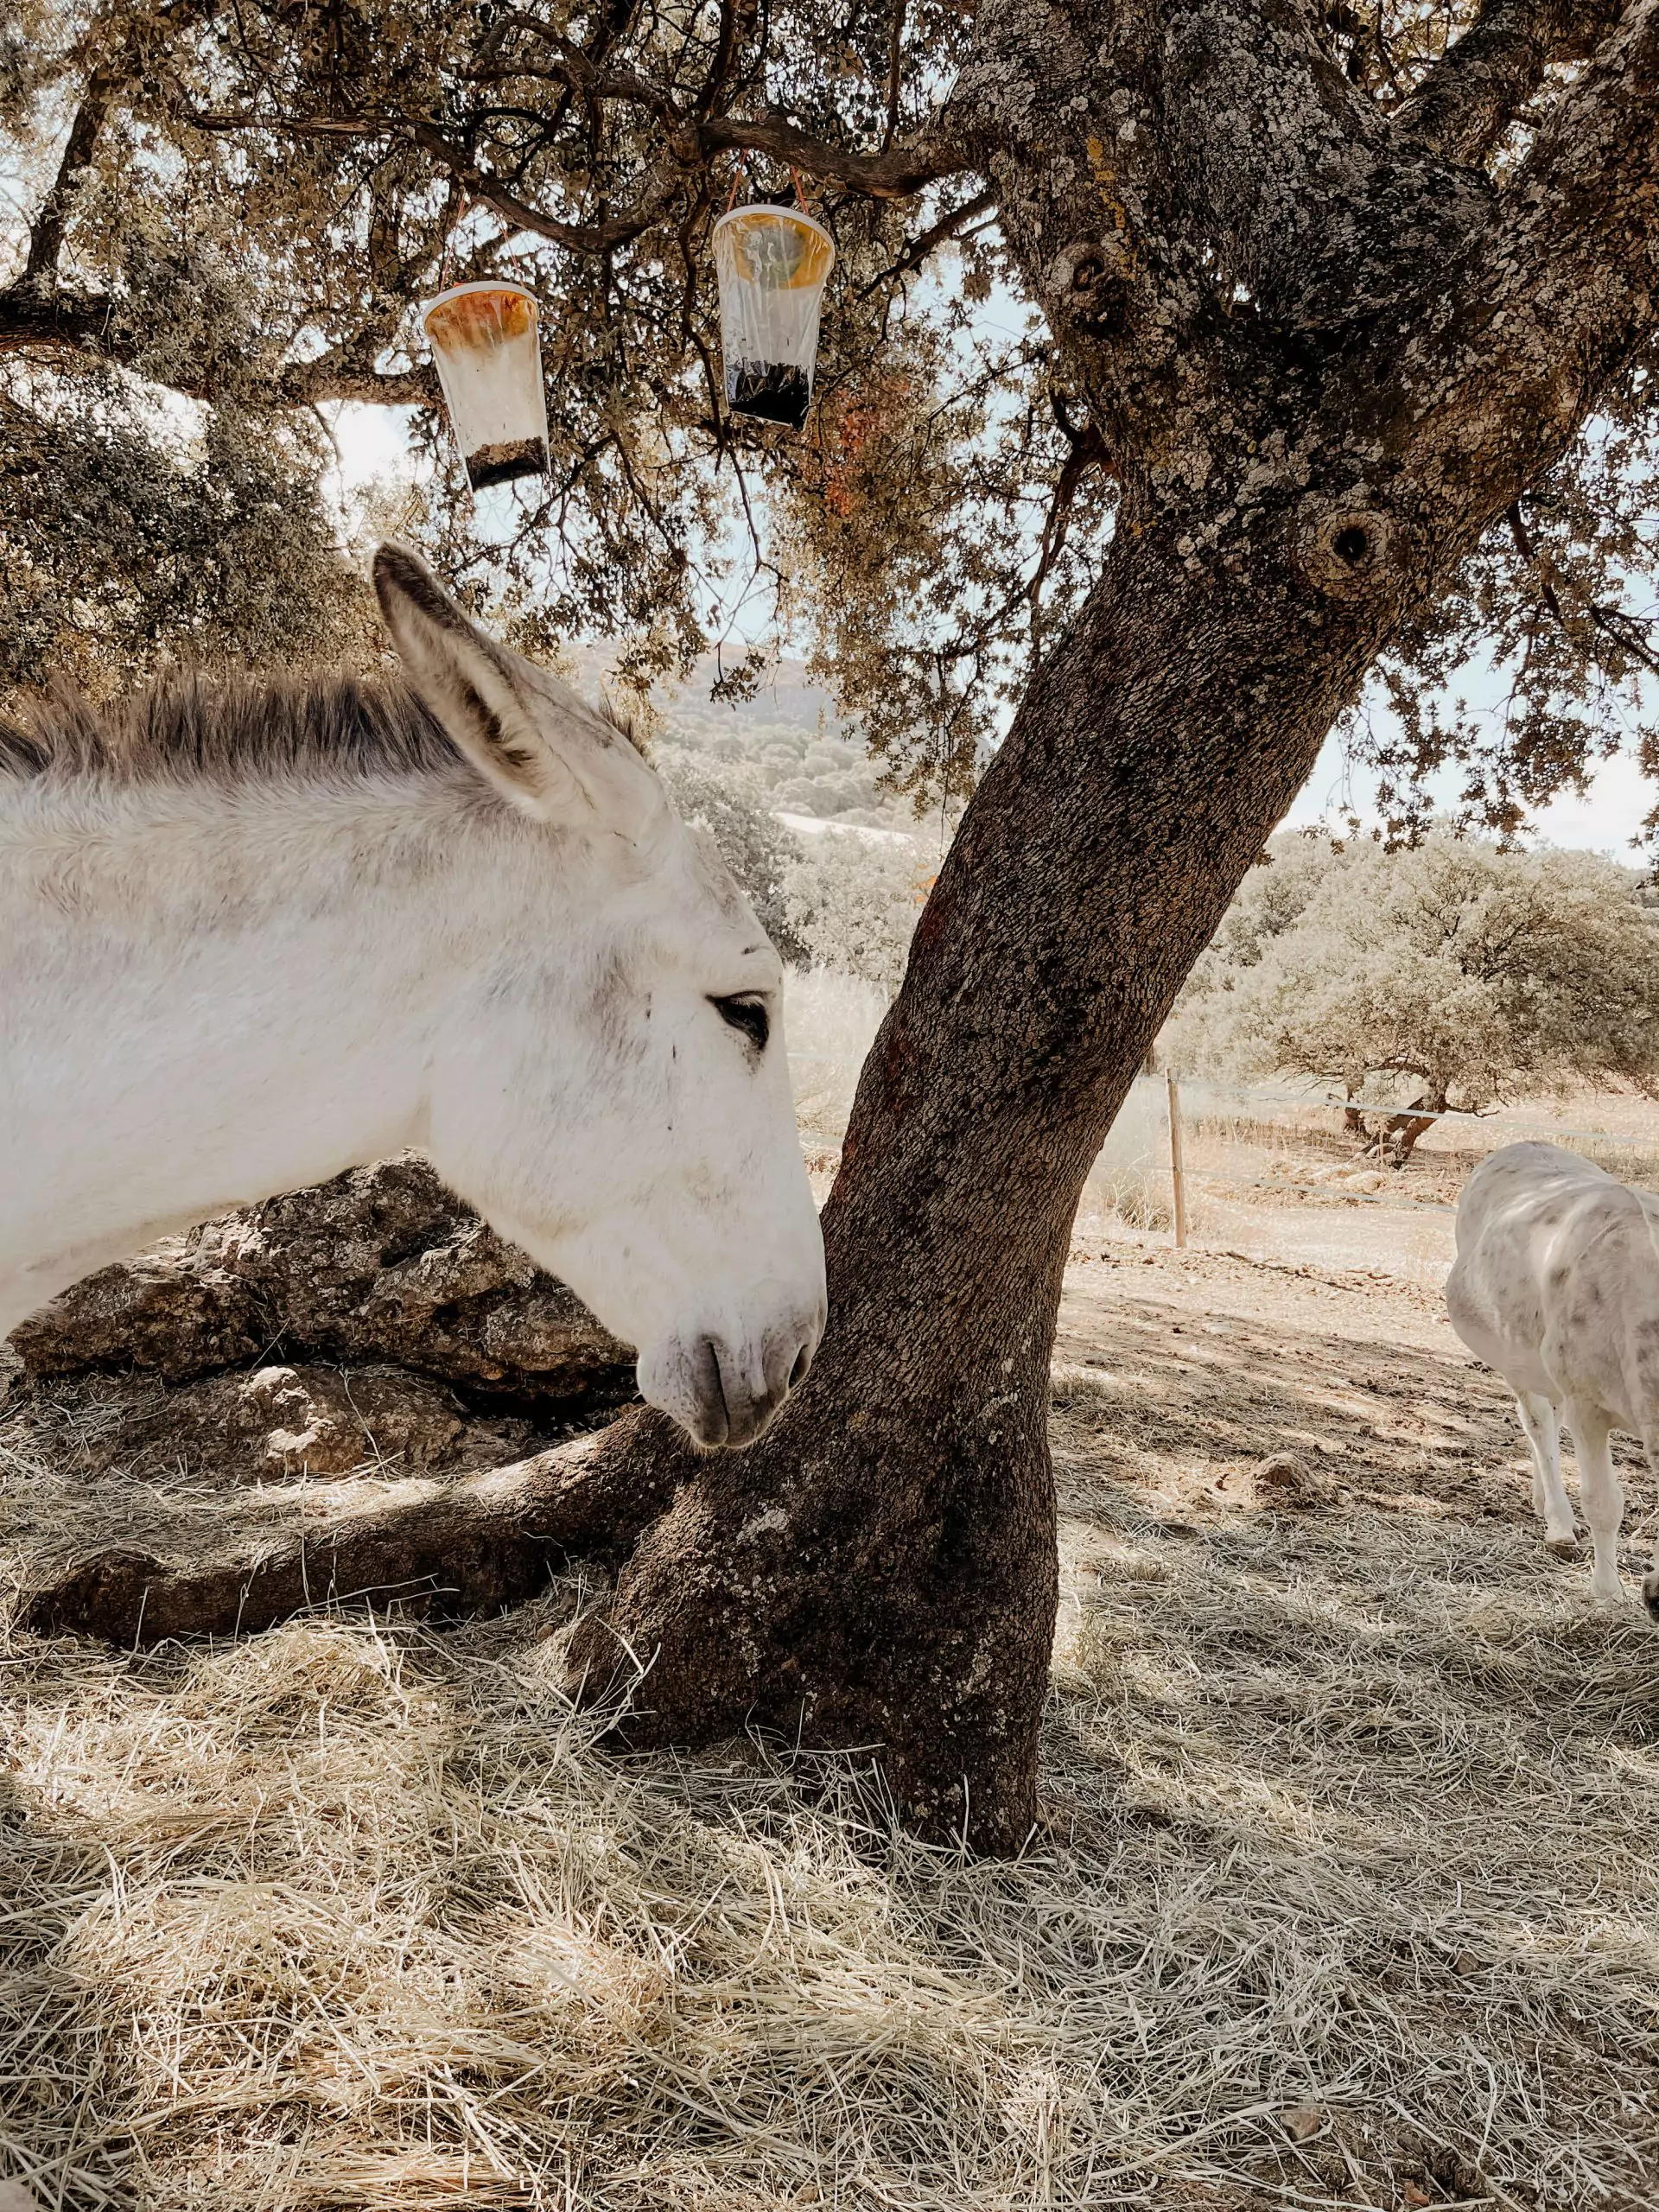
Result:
[252,935]
[1556,1286]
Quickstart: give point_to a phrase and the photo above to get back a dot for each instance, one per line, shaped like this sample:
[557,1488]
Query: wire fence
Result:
[1275,1167]
[1271,1171]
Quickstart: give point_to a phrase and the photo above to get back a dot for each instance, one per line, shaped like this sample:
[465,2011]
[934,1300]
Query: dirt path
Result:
[1206,1366]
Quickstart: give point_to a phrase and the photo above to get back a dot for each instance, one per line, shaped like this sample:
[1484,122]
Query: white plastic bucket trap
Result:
[486,340]
[772,264]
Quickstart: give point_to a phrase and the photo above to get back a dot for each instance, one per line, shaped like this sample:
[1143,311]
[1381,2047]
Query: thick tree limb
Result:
[900,173]
[1296,178]
[487,1542]
[1562,292]
[108,79]
[482,186]
[1479,86]
[69,326]
[33,321]
[46,233]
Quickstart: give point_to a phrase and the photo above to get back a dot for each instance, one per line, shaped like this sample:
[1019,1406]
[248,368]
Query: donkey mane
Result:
[195,729]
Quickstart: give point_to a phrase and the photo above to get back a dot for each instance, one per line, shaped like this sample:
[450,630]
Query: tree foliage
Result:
[854,900]
[242,206]
[124,538]
[729,801]
[1458,974]
[841,900]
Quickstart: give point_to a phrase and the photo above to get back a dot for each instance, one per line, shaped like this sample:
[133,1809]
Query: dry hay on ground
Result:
[1346,1891]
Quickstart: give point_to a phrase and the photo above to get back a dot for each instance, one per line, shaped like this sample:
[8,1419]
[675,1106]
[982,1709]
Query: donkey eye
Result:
[747,1013]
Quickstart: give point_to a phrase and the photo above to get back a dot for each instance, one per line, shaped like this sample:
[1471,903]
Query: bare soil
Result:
[1208,1364]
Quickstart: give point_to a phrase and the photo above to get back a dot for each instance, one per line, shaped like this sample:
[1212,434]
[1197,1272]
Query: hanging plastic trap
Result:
[772,264]
[486,340]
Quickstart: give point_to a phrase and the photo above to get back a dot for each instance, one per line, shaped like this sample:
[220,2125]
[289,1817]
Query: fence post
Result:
[1177,1173]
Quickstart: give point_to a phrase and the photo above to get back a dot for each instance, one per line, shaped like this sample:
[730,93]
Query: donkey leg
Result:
[1542,1420]
[1601,1494]
[1650,1579]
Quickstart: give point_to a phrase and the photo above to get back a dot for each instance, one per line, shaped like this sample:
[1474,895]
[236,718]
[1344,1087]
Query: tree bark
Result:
[487,1542]
[1399,1139]
[1295,476]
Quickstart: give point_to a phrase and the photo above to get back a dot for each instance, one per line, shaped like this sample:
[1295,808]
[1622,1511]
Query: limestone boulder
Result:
[381,1267]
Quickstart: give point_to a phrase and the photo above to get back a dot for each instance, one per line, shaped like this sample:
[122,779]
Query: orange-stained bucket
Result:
[486,340]
[772,265]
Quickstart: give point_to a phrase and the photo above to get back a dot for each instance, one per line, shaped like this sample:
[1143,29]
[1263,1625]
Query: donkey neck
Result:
[209,993]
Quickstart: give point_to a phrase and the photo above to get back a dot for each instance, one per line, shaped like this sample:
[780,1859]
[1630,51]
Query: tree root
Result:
[878,1578]
[487,1541]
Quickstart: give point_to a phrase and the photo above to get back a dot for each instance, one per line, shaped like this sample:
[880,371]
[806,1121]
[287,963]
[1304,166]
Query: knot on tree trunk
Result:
[1347,551]
[1088,280]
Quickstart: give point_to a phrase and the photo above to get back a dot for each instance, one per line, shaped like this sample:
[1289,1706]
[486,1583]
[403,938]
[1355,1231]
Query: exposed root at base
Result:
[487,1542]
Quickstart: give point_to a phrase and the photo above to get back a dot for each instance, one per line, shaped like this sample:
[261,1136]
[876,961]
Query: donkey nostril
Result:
[803,1361]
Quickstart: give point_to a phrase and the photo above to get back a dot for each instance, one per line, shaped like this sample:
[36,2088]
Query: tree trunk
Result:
[880,1569]
[1399,1138]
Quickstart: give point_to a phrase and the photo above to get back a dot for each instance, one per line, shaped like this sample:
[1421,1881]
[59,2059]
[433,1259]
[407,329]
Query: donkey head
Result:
[612,1091]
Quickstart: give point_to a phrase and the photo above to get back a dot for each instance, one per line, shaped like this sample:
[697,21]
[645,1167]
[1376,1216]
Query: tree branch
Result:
[1471,95]
[46,233]
[1565,289]
[1294,174]
[580,69]
[898,173]
[580,238]
[895,72]
[1612,621]
[69,326]
[108,78]
[921,248]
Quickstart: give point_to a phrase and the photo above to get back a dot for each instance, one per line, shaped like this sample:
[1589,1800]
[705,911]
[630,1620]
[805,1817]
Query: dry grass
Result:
[831,1021]
[1130,1184]
[1347,1890]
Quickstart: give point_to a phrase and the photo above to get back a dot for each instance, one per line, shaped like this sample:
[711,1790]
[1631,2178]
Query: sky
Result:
[1604,820]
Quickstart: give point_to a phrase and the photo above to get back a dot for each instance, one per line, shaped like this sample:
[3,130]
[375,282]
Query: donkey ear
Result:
[524,732]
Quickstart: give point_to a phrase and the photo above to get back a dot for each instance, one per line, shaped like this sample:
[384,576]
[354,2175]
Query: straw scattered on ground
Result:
[1346,1892]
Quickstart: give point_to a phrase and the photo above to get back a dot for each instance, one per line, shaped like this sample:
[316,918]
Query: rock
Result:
[382,1266]
[1283,1480]
[1302,2122]
[322,1420]
[272,1425]
[173,1309]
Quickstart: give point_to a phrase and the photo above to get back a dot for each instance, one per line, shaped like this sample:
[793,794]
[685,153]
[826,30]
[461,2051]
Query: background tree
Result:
[1455,975]
[1335,352]
[729,801]
[854,901]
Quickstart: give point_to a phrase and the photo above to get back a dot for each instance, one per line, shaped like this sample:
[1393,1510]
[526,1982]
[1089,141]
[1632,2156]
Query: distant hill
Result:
[811,758]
